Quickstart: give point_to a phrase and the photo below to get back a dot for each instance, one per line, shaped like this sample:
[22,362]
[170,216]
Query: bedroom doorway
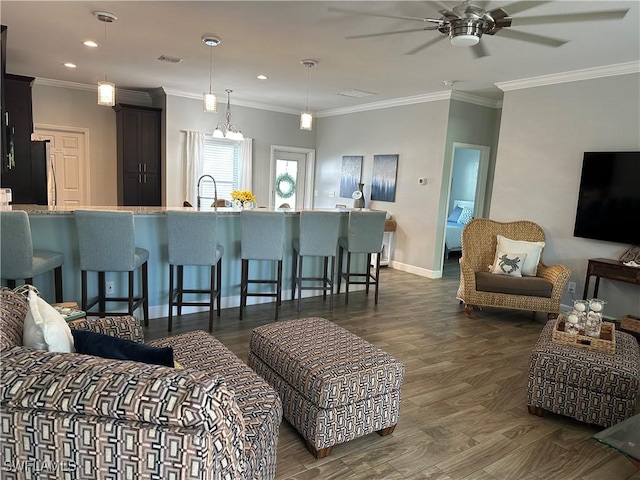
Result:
[467,188]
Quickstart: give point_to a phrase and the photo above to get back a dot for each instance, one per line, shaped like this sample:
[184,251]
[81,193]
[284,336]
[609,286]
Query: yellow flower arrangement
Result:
[243,196]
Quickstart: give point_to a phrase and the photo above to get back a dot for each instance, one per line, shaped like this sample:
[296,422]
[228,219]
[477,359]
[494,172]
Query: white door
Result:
[68,155]
[291,178]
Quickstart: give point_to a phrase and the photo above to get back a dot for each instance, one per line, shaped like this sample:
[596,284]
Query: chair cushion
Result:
[106,346]
[45,260]
[531,286]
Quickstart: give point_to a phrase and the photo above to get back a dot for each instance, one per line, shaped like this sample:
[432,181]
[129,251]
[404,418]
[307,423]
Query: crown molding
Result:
[121,93]
[394,102]
[239,103]
[573,76]
[476,100]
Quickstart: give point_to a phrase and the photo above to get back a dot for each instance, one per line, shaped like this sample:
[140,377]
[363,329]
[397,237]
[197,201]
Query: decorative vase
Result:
[358,197]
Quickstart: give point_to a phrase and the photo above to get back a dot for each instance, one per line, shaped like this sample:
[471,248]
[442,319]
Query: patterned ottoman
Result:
[590,386]
[334,385]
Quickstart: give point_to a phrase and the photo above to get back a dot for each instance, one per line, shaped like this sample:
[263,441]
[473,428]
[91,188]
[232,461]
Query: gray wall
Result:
[544,133]
[417,134]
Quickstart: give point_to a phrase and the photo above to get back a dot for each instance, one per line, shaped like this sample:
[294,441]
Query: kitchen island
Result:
[53,228]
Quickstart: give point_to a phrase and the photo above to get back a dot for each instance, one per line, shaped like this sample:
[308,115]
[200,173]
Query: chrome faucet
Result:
[215,192]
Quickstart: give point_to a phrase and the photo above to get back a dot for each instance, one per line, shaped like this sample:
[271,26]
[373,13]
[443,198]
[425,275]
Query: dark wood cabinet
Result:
[18,171]
[139,157]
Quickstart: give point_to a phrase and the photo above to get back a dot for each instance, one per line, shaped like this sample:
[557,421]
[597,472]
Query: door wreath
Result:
[285,185]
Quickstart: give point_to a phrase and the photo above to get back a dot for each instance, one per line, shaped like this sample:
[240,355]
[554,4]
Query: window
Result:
[221,161]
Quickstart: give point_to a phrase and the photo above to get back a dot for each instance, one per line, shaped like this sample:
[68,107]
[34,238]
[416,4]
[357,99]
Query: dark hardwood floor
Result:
[463,413]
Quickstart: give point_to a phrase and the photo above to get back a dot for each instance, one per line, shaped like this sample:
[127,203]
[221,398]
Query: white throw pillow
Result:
[45,328]
[508,263]
[532,249]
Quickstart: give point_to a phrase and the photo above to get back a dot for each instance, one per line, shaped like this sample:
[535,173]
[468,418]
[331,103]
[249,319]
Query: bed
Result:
[461,213]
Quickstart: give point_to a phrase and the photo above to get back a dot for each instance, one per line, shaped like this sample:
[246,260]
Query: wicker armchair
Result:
[478,287]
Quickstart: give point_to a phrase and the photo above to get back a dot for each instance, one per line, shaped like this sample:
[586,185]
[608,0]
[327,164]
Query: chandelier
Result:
[228,130]
[106,89]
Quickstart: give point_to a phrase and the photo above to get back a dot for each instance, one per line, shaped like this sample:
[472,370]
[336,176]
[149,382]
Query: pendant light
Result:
[106,89]
[228,130]
[209,99]
[306,119]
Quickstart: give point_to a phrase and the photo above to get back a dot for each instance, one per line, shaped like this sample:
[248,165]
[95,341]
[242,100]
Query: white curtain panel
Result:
[192,155]
[246,164]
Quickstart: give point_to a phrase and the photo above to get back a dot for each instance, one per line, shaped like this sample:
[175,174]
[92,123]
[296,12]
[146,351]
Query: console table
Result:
[610,269]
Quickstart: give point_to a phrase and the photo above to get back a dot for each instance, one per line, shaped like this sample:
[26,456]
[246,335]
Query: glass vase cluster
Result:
[593,321]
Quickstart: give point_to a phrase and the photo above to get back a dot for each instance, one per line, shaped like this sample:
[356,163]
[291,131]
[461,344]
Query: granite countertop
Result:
[68,210]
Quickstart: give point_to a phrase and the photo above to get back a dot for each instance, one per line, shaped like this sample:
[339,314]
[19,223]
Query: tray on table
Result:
[606,343]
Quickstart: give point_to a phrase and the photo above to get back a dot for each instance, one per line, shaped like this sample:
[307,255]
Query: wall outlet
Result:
[110,288]
[571,287]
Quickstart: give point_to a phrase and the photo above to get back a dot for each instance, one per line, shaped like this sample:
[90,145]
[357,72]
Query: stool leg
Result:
[333,261]
[212,296]
[243,285]
[101,293]
[180,287]
[347,279]
[83,275]
[57,273]
[324,277]
[131,294]
[377,280]
[145,293]
[299,281]
[368,273]
[219,283]
[170,325]
[340,253]
[279,287]
[294,264]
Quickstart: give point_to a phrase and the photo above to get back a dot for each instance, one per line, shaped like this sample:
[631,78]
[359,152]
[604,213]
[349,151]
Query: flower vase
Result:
[358,201]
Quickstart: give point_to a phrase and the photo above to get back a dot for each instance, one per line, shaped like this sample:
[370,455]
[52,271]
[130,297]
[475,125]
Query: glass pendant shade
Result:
[217,133]
[210,102]
[306,121]
[106,94]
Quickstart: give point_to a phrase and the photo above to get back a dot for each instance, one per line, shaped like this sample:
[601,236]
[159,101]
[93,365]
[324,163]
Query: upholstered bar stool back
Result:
[193,242]
[106,241]
[262,238]
[318,238]
[364,236]
[19,260]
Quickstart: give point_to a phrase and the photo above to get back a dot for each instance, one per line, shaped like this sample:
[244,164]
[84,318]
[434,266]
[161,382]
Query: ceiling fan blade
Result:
[521,6]
[380,34]
[531,37]
[569,17]
[479,51]
[426,45]
[382,15]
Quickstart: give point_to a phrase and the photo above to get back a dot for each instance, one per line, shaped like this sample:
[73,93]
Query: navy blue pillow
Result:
[106,346]
[455,214]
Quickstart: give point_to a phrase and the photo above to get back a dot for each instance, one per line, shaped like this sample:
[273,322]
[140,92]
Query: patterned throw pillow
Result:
[532,249]
[465,216]
[508,263]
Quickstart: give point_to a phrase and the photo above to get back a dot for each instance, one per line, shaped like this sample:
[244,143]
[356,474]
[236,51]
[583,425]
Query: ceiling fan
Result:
[465,23]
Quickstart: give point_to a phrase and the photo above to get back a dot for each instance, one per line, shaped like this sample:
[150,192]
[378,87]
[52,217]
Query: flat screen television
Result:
[609,197]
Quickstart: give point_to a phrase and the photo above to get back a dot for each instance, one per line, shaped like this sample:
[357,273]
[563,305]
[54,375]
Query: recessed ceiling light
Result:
[262,77]
[70,65]
[90,43]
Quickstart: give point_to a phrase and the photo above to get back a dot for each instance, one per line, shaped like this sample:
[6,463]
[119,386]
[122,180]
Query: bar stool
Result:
[364,235]
[106,240]
[318,238]
[193,242]
[19,260]
[262,238]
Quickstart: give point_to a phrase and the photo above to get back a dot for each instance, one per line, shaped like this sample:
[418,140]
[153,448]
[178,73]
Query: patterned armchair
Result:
[478,287]
[67,415]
